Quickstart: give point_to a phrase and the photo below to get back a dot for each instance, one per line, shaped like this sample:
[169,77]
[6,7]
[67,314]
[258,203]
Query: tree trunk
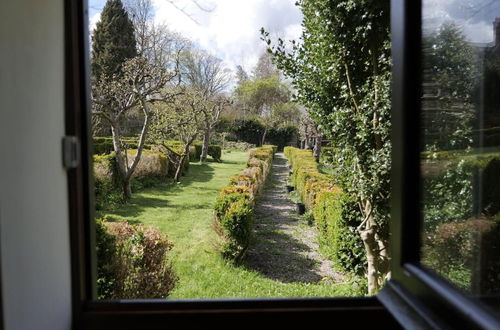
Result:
[317,147]
[377,255]
[263,136]
[127,189]
[204,148]
[178,172]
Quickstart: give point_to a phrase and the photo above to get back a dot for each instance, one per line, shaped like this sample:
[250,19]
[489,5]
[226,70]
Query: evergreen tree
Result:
[113,41]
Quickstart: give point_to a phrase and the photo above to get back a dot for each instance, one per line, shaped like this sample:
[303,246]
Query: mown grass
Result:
[184,212]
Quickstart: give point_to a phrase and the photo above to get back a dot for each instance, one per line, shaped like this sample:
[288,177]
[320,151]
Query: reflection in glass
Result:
[460,158]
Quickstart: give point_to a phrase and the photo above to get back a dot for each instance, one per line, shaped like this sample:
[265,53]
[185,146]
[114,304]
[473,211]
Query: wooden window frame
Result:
[409,297]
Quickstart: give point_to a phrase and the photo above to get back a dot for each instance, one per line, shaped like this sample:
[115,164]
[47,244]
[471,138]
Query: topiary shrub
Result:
[233,210]
[335,214]
[132,262]
[215,151]
[336,217]
[283,136]
[248,130]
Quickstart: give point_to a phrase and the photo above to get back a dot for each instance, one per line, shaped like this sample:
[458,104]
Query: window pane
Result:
[460,146]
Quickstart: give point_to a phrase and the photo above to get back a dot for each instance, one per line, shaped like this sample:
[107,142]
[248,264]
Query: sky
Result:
[228,29]
[474,17]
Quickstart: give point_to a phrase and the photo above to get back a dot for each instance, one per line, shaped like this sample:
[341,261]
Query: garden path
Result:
[285,247]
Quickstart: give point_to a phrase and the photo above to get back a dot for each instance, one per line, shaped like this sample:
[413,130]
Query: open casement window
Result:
[444,234]
[417,296]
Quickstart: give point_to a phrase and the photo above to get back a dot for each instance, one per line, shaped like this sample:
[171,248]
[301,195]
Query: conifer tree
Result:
[113,41]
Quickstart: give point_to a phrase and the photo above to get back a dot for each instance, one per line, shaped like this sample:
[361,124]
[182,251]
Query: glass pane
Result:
[460,155]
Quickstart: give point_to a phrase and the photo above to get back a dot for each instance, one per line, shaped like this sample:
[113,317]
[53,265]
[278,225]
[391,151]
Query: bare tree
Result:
[180,118]
[207,75]
[139,85]
[211,111]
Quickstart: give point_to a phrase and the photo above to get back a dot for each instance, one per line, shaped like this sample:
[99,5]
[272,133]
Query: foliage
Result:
[243,146]
[336,214]
[132,262]
[451,76]
[282,136]
[449,180]
[341,72]
[113,41]
[182,119]
[185,212]
[234,206]
[336,217]
[152,166]
[459,226]
[249,130]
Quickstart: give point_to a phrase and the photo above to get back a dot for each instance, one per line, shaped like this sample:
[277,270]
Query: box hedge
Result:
[234,207]
[107,180]
[132,262]
[335,214]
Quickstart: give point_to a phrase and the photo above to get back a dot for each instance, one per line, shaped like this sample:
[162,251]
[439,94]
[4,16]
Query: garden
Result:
[214,183]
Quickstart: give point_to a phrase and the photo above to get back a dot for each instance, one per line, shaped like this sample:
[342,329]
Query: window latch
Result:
[71,152]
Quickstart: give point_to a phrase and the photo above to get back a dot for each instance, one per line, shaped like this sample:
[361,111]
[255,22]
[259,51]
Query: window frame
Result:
[415,292]
[409,297]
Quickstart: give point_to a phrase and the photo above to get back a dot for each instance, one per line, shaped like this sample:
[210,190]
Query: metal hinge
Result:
[71,152]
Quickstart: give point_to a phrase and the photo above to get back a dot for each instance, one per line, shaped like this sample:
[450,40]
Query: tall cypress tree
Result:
[113,41]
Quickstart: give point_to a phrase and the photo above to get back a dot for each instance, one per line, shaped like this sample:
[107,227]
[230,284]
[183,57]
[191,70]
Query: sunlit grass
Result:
[184,212]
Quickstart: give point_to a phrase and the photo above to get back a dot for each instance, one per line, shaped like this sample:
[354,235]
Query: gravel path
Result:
[285,247]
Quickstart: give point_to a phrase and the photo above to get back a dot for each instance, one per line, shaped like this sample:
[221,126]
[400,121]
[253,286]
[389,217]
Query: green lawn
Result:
[184,212]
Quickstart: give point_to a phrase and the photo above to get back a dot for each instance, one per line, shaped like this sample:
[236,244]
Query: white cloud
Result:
[231,29]
[93,21]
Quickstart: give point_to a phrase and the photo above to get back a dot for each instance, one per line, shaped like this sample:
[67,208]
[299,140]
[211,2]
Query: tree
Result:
[155,41]
[180,118]
[265,67]
[264,98]
[207,75]
[137,85]
[341,72]
[450,80]
[241,75]
[113,41]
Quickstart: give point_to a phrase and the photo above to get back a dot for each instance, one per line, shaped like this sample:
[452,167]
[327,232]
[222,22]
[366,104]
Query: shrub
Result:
[336,218]
[107,185]
[283,136]
[132,262]
[243,146]
[249,130]
[335,214]
[233,210]
[214,151]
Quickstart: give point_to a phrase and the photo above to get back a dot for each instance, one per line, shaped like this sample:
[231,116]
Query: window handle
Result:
[71,152]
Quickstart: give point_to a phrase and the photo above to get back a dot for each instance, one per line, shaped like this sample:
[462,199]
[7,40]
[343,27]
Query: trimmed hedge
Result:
[107,180]
[214,151]
[335,214]
[234,207]
[132,262]
[283,136]
[461,216]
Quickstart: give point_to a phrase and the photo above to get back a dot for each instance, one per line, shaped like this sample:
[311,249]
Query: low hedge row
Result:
[335,213]
[214,151]
[234,207]
[107,178]
[104,145]
[132,262]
